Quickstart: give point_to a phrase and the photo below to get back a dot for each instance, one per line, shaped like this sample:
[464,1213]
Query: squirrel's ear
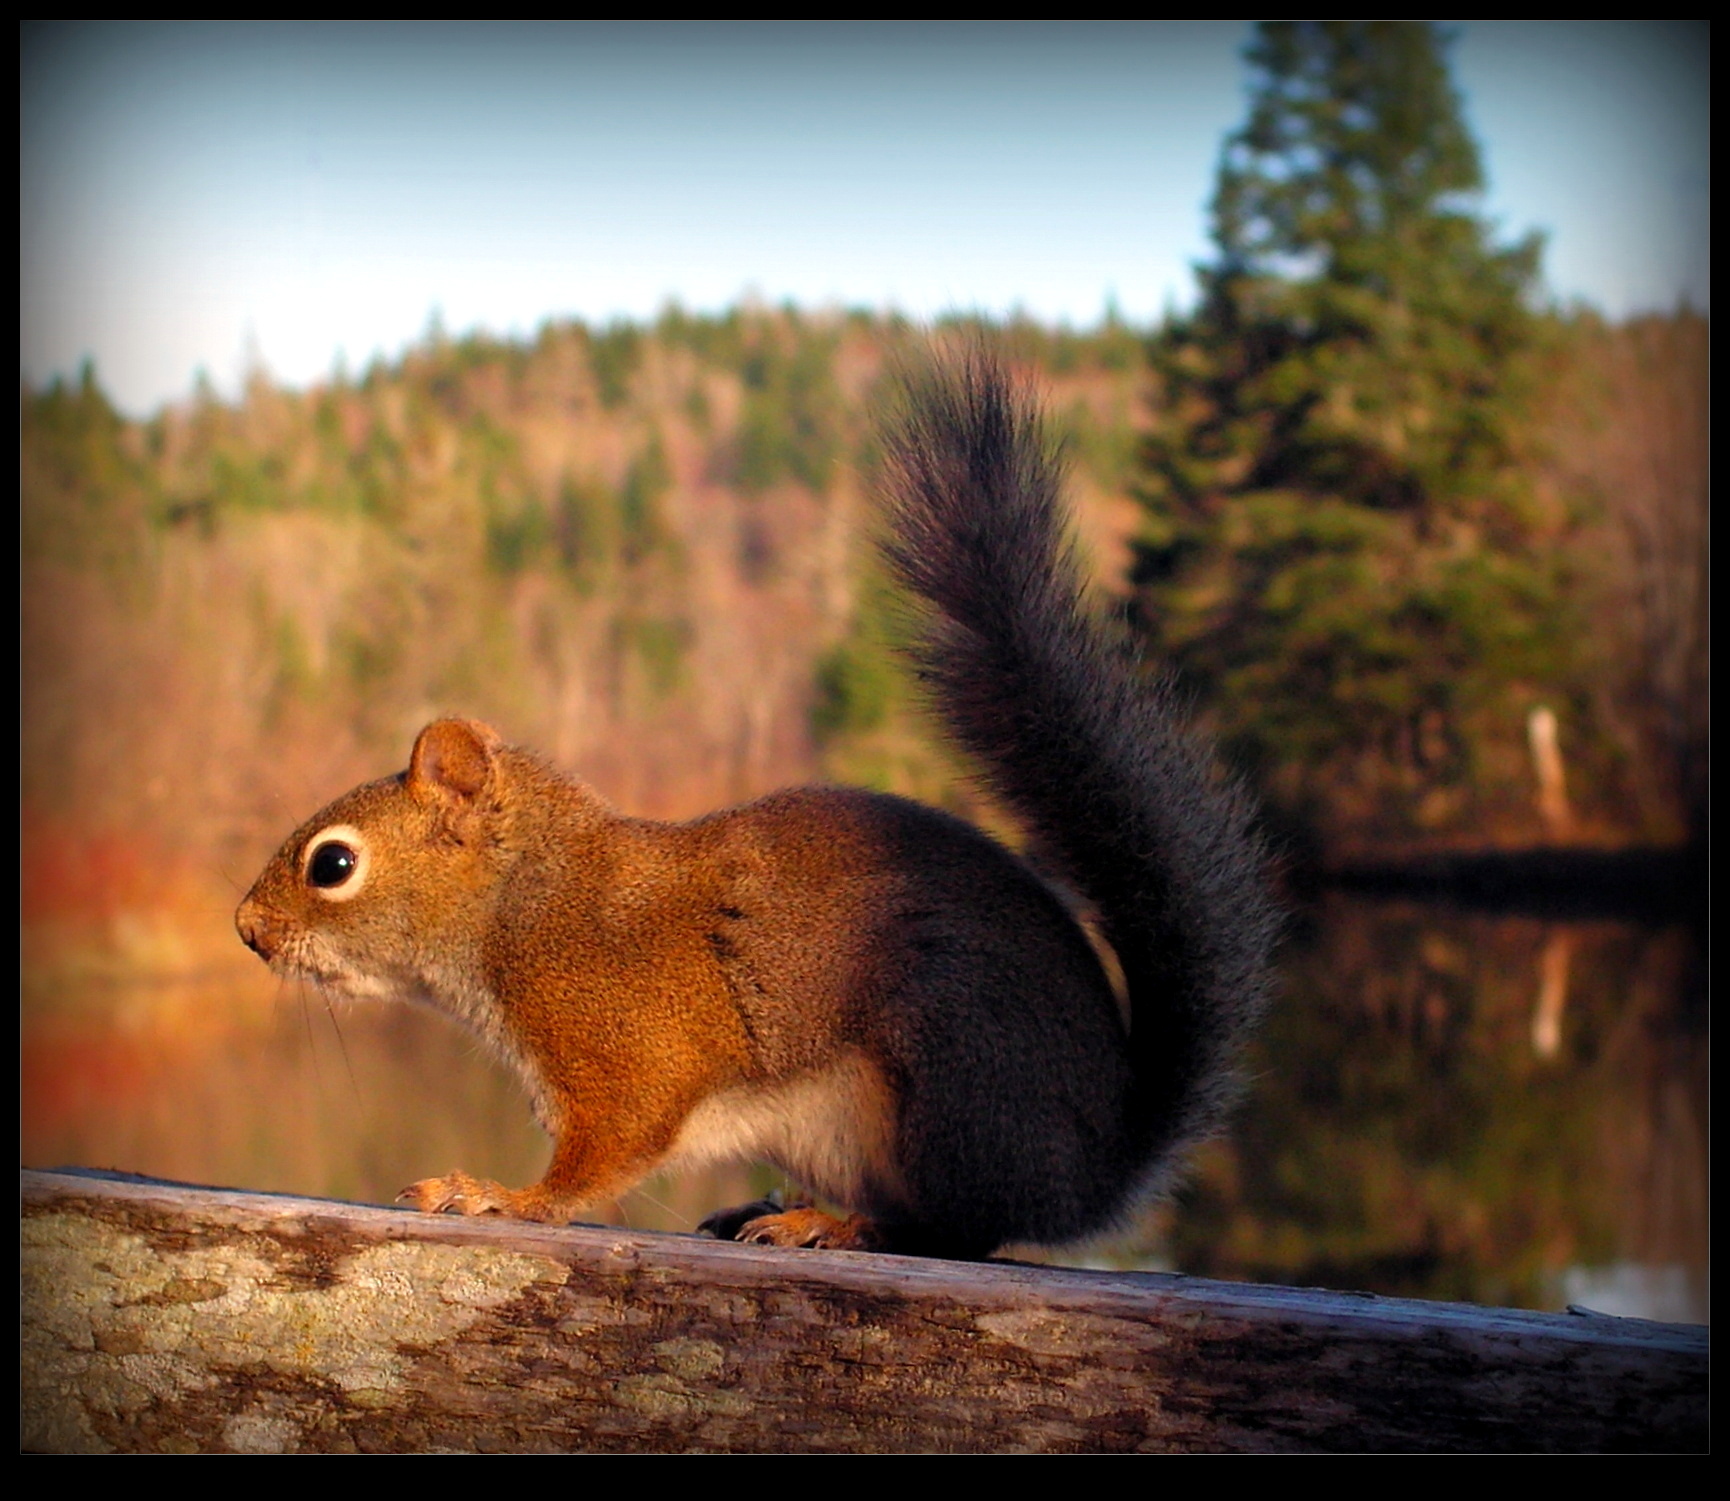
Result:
[452,761]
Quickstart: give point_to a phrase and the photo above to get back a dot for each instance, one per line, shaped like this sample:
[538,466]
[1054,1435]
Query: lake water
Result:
[1444,1104]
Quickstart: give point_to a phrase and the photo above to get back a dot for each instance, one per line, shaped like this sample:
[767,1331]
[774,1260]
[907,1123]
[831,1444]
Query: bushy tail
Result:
[1089,754]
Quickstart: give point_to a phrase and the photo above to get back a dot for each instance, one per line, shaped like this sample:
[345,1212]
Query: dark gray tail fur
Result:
[1091,755]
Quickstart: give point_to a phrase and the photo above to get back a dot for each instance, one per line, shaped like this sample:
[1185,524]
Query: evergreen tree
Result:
[1339,548]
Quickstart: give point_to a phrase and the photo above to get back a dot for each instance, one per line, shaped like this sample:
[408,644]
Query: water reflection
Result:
[238,1081]
[1445,1104]
[1451,1104]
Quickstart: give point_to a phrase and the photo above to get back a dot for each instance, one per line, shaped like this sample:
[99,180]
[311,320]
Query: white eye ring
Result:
[339,886]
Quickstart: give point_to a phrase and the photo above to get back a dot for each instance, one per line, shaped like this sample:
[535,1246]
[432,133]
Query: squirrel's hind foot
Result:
[725,1224]
[766,1223]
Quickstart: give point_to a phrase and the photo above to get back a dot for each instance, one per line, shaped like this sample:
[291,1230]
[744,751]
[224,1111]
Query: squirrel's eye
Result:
[332,863]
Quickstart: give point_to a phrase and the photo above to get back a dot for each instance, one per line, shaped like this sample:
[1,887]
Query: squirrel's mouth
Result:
[306,959]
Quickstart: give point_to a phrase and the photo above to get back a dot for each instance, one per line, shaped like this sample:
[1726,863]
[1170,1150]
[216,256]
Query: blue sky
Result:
[195,196]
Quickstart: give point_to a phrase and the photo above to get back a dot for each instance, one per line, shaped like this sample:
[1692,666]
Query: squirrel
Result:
[960,1047]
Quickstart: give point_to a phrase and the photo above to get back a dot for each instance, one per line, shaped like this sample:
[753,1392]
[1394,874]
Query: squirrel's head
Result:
[393,876]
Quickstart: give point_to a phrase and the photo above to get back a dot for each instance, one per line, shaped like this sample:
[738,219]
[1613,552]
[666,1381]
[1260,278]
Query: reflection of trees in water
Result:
[1443,1105]
[1458,1105]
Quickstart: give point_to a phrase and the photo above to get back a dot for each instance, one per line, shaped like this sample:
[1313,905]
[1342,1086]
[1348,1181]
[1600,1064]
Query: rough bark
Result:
[161,1317]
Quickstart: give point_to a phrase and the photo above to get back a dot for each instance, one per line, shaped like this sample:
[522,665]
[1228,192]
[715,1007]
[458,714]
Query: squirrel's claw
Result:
[456,1191]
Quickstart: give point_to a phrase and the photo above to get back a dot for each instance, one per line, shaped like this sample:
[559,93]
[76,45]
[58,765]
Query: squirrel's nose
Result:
[254,929]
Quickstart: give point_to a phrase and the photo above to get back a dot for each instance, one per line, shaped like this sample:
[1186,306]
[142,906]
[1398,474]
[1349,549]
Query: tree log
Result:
[169,1318]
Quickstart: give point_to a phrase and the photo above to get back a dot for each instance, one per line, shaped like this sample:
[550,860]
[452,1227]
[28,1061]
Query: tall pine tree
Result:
[1340,548]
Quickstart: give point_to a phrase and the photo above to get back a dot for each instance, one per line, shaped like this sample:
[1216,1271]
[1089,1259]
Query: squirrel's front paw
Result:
[460,1192]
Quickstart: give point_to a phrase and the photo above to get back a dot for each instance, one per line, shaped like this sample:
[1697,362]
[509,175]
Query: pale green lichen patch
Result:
[689,1359]
[1069,1335]
[115,1322]
[261,1433]
[666,1399]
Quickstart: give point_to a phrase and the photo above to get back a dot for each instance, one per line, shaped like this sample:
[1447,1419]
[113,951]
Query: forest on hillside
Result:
[638,549]
[643,550]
